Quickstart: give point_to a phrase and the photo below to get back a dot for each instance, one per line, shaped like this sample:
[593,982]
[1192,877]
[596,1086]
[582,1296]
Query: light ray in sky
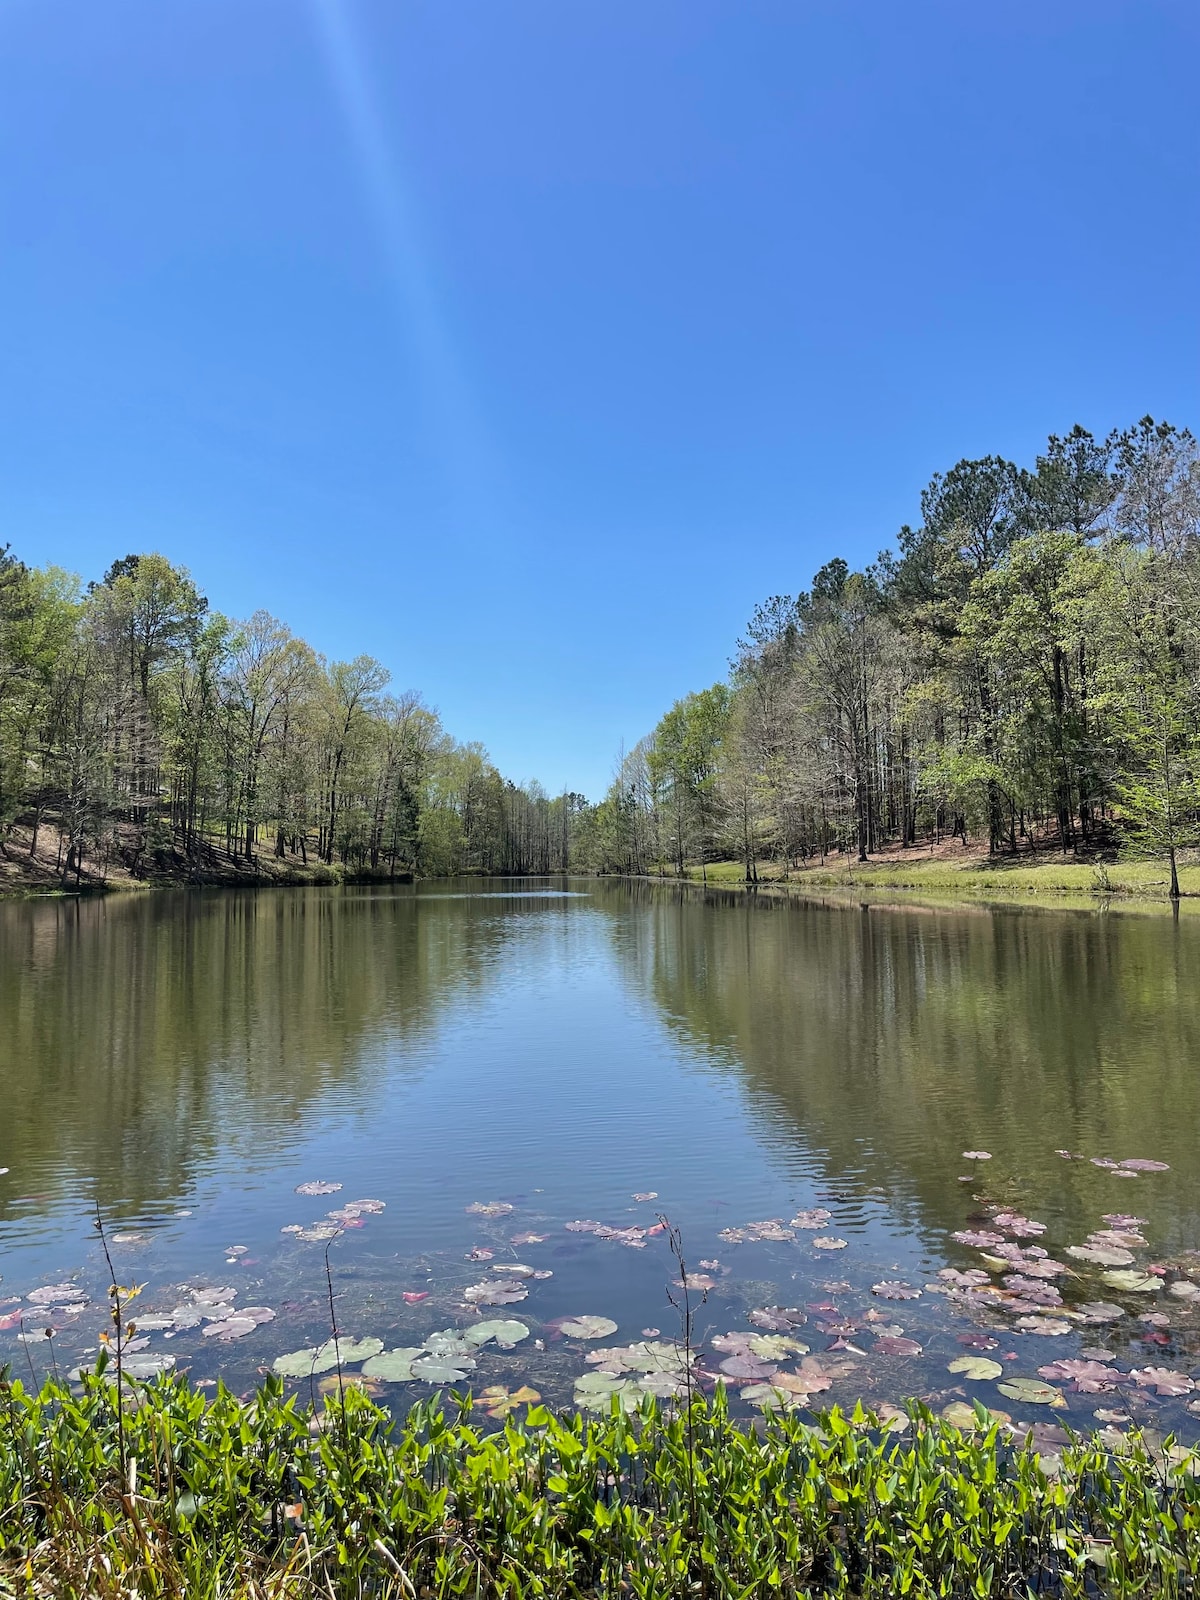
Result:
[454,429]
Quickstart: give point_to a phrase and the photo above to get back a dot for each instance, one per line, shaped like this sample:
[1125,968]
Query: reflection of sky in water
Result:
[562,1051]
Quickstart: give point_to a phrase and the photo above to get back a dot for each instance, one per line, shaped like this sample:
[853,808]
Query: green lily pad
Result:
[1133,1281]
[435,1369]
[1032,1392]
[976,1367]
[768,1398]
[506,1334]
[393,1366]
[597,1383]
[775,1346]
[587,1327]
[324,1358]
[449,1344]
[964,1417]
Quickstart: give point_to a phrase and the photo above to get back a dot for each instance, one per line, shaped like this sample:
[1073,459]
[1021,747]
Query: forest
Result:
[141,729]
[1021,671]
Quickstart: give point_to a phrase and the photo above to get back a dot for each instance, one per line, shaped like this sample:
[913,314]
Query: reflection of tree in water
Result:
[886,1042]
[142,1035]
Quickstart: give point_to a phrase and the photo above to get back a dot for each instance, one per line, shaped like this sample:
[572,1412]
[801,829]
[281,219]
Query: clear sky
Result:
[527,344]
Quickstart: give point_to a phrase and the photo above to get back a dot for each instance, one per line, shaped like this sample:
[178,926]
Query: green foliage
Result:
[222,1497]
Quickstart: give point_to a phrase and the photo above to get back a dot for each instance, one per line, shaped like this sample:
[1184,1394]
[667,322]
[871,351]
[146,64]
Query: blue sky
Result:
[527,345]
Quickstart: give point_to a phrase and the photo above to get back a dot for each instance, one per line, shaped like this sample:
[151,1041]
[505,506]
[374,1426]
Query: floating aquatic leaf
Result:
[529,1238]
[978,1238]
[1020,1227]
[977,1341]
[828,1243]
[966,1419]
[1184,1289]
[489,1208]
[695,1280]
[499,1402]
[1100,1255]
[977,1368]
[1122,1238]
[145,1367]
[1138,1165]
[1048,1327]
[1133,1281]
[663,1385]
[747,1366]
[319,1233]
[893,1289]
[317,1186]
[977,1155]
[393,1366]
[151,1321]
[582,1225]
[772,1228]
[257,1314]
[413,1297]
[433,1369]
[648,1194]
[1162,1380]
[1121,1219]
[1089,1377]
[767,1397]
[232,1328]
[507,1334]
[57,1294]
[587,1327]
[1041,1293]
[502,1292]
[776,1347]
[1099,1311]
[597,1383]
[1031,1392]
[517,1269]
[449,1342]
[973,1279]
[335,1384]
[814,1219]
[709,1266]
[801,1383]
[778,1318]
[480,1254]
[363,1208]
[887,1346]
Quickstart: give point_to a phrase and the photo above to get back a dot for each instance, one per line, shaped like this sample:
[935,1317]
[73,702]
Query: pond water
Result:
[495,1064]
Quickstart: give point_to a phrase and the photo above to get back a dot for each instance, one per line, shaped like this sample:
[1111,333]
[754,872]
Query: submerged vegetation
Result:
[1022,671]
[177,1495]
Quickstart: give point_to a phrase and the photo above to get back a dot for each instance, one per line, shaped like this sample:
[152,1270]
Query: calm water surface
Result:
[184,1061]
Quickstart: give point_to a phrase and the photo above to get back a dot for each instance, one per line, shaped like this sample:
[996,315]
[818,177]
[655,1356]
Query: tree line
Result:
[1023,667]
[138,725]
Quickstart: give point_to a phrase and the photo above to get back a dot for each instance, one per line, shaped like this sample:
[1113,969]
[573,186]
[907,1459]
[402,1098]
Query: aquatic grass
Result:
[230,1498]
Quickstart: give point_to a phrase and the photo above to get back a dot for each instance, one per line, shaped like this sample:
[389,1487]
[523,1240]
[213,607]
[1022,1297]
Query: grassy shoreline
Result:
[1021,880]
[178,1495]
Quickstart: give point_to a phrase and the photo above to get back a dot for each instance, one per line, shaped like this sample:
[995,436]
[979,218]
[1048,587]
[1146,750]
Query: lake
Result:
[789,1083]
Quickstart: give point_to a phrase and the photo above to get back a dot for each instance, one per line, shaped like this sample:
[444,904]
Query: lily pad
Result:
[506,1334]
[436,1369]
[1138,1165]
[499,1402]
[1031,1392]
[231,1328]
[828,1243]
[977,1155]
[966,1419]
[893,1346]
[587,1327]
[499,1292]
[1101,1255]
[337,1384]
[57,1294]
[597,1383]
[1089,1377]
[893,1289]
[489,1208]
[318,1186]
[1133,1281]
[767,1397]
[977,1368]
[393,1366]
[1163,1381]
[1099,1311]
[324,1358]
